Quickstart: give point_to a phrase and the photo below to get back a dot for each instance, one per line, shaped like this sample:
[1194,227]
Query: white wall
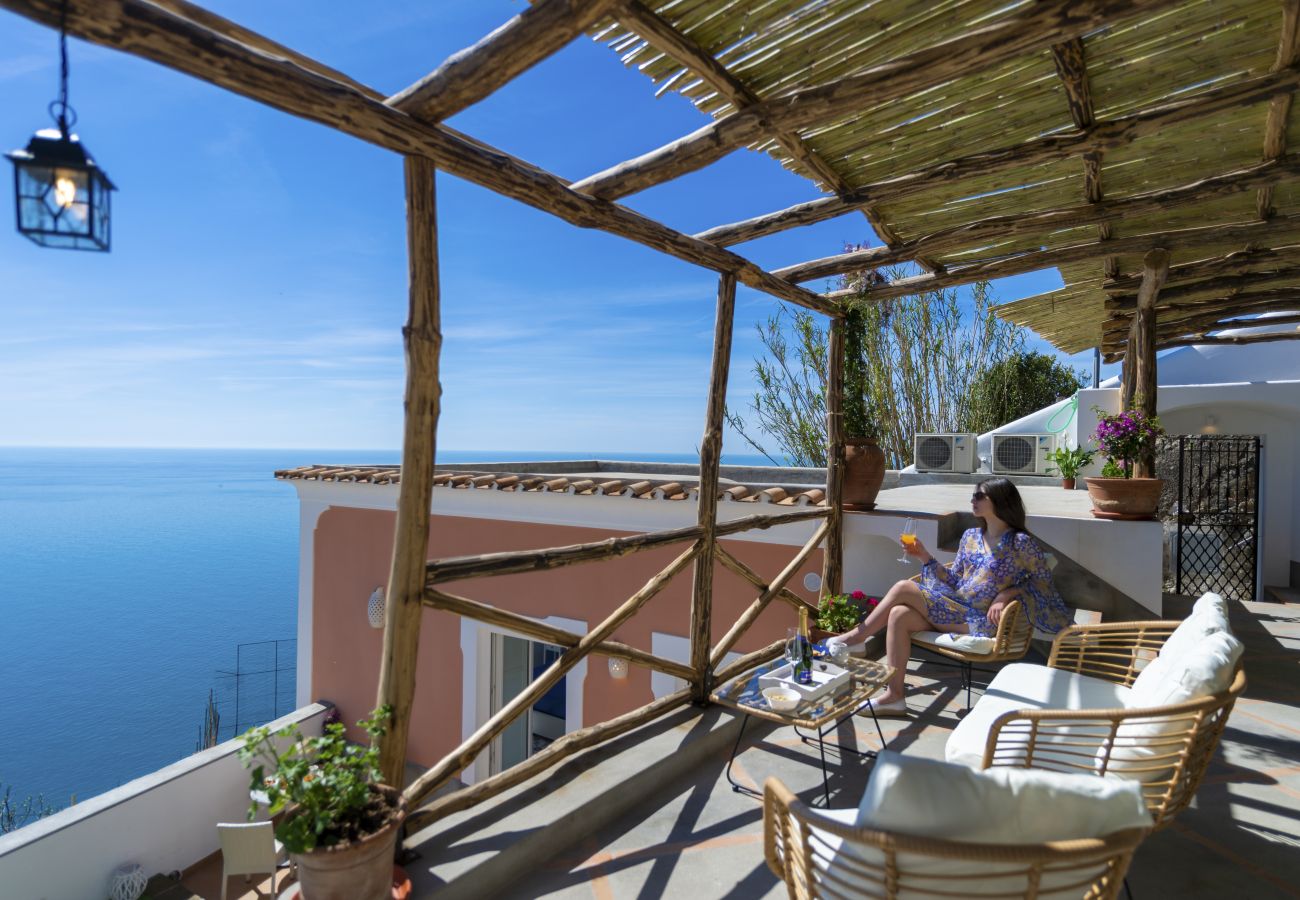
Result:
[1270,410]
[1128,555]
[165,821]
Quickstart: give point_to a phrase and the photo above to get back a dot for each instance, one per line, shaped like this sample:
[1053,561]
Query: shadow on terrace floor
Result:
[699,839]
[1240,839]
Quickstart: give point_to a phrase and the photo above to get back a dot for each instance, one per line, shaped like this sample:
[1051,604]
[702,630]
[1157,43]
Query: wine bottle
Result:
[803,668]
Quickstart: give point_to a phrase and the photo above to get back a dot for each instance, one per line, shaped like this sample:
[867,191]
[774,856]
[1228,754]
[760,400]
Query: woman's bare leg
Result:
[903,623]
[903,595]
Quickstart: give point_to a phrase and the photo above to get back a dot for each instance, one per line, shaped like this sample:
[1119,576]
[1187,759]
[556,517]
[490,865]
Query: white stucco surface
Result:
[165,821]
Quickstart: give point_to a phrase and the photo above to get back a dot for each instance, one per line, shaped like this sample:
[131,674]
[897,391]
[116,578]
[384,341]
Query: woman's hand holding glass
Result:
[915,550]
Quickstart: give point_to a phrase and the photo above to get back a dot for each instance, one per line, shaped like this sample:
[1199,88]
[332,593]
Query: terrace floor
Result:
[700,839]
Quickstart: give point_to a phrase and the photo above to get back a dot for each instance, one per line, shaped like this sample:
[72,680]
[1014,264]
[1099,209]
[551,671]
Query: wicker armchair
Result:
[819,855]
[1011,643]
[1093,740]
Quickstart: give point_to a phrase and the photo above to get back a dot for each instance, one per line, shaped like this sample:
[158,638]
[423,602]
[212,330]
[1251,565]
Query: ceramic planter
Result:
[360,870]
[1124,498]
[864,473]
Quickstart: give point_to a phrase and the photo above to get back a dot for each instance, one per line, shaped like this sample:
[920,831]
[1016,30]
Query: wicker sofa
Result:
[1146,701]
[928,829]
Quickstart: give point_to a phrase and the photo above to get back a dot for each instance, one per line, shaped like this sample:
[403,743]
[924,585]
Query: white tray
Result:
[827,678]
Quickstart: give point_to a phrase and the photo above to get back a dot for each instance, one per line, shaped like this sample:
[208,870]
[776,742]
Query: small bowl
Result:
[780,699]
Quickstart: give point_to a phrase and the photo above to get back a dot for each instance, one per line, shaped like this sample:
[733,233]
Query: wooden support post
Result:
[707,512]
[1139,382]
[423,337]
[833,561]
[463,755]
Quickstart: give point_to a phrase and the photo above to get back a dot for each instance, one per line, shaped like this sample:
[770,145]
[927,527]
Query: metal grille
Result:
[1014,454]
[1217,515]
[262,687]
[934,453]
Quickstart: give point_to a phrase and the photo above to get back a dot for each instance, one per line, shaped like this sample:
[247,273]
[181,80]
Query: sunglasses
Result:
[978,496]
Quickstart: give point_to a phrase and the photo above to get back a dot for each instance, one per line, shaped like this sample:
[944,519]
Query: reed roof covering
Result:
[1159,54]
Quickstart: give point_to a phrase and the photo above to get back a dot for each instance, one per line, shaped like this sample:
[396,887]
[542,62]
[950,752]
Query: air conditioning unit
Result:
[1022,454]
[945,452]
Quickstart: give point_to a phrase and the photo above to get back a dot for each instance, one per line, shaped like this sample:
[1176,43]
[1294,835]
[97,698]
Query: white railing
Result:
[165,821]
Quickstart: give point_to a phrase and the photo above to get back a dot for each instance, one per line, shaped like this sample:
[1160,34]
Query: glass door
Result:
[516,662]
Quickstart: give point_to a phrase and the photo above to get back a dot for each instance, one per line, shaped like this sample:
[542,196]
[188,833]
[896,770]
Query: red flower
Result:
[858,595]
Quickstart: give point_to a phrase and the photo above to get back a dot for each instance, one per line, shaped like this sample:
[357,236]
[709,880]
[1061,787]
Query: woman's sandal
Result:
[893,708]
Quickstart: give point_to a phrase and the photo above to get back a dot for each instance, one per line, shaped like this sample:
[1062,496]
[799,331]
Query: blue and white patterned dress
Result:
[963,592]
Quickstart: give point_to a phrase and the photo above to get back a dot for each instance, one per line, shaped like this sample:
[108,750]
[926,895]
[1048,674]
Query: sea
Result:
[139,586]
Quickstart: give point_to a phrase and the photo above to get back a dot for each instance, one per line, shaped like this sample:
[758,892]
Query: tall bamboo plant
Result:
[912,365]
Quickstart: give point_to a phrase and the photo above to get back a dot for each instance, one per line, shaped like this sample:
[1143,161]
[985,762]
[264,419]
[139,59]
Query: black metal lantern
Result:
[61,197]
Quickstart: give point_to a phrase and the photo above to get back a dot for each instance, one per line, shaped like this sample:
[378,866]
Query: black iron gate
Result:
[1215,513]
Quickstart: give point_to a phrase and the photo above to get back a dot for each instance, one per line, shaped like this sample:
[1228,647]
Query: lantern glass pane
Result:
[63,206]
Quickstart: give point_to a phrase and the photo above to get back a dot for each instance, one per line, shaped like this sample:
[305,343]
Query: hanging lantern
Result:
[61,197]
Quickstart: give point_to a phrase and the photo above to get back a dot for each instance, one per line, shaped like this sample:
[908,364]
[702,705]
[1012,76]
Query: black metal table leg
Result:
[826,778]
[740,788]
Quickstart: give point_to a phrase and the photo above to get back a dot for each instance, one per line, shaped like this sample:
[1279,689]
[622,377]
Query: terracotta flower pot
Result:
[1067,483]
[360,870]
[864,473]
[1124,498]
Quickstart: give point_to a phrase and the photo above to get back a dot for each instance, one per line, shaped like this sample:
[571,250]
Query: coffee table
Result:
[822,715]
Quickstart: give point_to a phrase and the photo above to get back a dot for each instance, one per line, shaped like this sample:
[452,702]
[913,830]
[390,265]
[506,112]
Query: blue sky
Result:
[257,285]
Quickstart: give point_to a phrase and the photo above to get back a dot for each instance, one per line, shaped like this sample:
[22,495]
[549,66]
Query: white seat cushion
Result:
[966,643]
[928,798]
[1028,686]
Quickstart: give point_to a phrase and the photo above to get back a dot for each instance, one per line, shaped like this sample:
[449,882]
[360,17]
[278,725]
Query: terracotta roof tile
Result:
[644,489]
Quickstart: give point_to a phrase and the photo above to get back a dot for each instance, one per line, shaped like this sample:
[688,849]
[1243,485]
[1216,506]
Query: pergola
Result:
[1140,146]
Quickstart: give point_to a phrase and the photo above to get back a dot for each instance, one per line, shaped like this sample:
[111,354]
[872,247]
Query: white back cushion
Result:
[1142,745]
[1003,805]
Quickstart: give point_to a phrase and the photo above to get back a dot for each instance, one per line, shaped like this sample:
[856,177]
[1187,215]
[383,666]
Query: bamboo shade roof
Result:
[1168,53]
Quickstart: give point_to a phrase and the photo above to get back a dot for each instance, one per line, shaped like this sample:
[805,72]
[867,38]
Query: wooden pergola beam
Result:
[1115,326]
[1101,212]
[666,38]
[1126,303]
[1237,262]
[1043,24]
[1233,341]
[173,40]
[1072,69]
[465,78]
[1215,320]
[1274,231]
[1279,108]
[1027,154]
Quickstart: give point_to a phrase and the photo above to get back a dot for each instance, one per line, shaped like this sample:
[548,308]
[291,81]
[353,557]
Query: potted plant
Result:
[1069,463]
[864,461]
[340,824]
[1125,437]
[837,613]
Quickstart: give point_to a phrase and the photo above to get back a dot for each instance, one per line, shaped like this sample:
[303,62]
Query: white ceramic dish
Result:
[827,678]
[781,698]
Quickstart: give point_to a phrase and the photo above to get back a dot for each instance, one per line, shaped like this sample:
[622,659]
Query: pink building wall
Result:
[352,553]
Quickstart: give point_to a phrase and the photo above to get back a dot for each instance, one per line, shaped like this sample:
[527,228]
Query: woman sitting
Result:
[996,563]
